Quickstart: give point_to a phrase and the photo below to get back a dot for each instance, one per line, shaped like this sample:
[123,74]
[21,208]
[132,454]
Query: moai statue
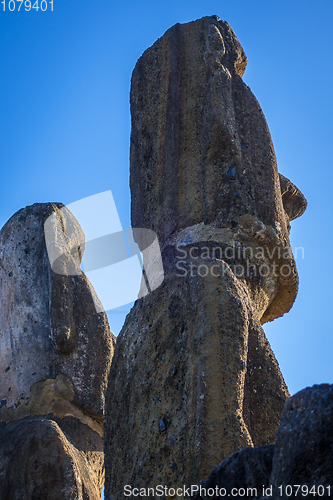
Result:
[193,378]
[55,355]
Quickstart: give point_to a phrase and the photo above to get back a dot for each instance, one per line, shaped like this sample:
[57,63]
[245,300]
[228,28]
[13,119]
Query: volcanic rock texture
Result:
[193,378]
[56,352]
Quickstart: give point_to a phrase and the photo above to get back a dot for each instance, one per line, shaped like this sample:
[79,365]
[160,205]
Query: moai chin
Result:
[56,352]
[194,378]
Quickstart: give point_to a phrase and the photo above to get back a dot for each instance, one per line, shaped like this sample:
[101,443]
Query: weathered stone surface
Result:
[55,349]
[194,122]
[245,472]
[299,465]
[39,461]
[304,445]
[182,356]
[192,355]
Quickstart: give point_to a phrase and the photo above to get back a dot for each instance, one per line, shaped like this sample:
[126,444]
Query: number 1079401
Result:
[12,5]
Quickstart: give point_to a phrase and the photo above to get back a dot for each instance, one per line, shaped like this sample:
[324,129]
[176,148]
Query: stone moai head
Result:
[55,348]
[201,151]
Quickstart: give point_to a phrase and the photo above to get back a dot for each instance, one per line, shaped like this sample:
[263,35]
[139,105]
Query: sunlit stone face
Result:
[48,323]
[201,150]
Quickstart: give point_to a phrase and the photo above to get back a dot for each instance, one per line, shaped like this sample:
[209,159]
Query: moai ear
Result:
[234,56]
[62,322]
[65,244]
[214,40]
[215,50]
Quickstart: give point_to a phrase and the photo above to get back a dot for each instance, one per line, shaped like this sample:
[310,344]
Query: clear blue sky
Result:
[65,124]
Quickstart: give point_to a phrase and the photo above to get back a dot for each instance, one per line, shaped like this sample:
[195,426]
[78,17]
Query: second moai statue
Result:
[56,351]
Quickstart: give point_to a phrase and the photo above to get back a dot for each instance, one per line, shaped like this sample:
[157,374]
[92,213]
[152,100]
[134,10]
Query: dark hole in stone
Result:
[163,424]
[231,173]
